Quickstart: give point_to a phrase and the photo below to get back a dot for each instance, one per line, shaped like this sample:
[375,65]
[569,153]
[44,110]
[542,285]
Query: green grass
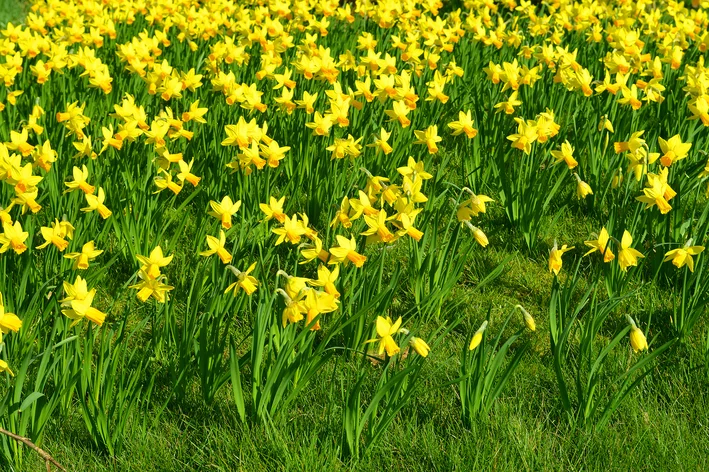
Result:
[12,11]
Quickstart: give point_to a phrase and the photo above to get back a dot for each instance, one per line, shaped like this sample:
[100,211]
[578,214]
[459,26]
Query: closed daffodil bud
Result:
[617,178]
[480,237]
[478,336]
[637,337]
[528,320]
[582,188]
[420,346]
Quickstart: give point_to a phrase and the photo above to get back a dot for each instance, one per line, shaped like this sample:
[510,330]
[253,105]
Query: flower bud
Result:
[528,320]
[637,338]
[478,336]
[420,346]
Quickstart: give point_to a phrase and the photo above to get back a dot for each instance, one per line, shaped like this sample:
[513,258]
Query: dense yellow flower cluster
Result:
[242,103]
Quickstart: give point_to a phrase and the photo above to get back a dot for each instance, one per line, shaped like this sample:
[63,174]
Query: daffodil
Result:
[292,230]
[346,252]
[472,206]
[640,160]
[186,174]
[8,321]
[582,188]
[314,251]
[195,112]
[413,169]
[316,303]
[273,153]
[377,230]
[345,215]
[244,281]
[528,320]
[151,287]
[601,244]
[566,155]
[79,182]
[274,209]
[96,202]
[385,330]
[18,142]
[429,137]
[508,106]
[57,235]
[224,210]
[555,255]
[398,113]
[478,336]
[420,346]
[87,254]
[545,126]
[216,246]
[152,264]
[683,255]
[321,124]
[294,309]
[627,256]
[637,338]
[633,144]
[78,301]
[406,223]
[606,124]
[326,279]
[381,142]
[464,125]
[478,234]
[658,192]
[13,237]
[525,136]
[674,150]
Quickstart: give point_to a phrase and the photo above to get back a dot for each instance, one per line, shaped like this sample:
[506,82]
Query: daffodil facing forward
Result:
[78,301]
[674,150]
[627,256]
[152,264]
[151,287]
[87,254]
[224,210]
